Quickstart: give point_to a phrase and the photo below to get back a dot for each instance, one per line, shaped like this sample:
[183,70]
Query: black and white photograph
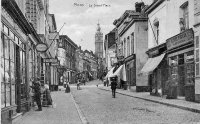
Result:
[100,61]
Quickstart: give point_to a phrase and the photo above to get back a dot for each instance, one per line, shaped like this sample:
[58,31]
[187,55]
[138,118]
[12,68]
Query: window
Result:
[184,17]
[132,43]
[197,73]
[22,72]
[197,55]
[197,68]
[197,41]
[128,46]
[7,71]
[156,31]
[124,47]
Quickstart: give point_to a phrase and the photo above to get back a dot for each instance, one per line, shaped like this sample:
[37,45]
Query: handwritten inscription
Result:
[91,5]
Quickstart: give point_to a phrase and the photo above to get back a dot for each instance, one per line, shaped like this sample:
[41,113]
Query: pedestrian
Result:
[64,84]
[67,90]
[83,80]
[113,85]
[78,84]
[107,82]
[48,94]
[37,89]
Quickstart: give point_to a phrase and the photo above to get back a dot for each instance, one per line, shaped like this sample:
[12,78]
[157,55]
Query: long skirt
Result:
[49,99]
[67,90]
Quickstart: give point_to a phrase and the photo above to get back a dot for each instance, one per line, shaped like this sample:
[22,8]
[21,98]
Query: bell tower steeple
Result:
[99,41]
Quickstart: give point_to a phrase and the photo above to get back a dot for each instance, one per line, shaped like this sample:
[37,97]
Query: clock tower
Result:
[99,42]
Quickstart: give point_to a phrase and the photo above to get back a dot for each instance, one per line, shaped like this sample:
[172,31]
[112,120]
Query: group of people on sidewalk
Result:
[39,90]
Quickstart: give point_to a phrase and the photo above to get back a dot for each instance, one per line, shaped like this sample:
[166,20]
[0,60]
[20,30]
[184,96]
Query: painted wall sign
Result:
[154,52]
[51,60]
[180,39]
[41,47]
[55,64]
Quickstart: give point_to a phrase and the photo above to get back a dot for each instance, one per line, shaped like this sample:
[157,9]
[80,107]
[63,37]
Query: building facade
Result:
[21,62]
[197,51]
[53,48]
[110,49]
[171,51]
[70,59]
[132,45]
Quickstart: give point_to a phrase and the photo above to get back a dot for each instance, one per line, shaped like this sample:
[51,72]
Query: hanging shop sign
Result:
[55,64]
[180,39]
[51,60]
[41,47]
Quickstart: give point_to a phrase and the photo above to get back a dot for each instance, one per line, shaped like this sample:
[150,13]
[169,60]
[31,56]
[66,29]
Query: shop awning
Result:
[117,72]
[152,63]
[110,73]
[121,73]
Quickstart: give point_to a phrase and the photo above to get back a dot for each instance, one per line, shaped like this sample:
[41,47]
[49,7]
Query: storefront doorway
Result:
[182,71]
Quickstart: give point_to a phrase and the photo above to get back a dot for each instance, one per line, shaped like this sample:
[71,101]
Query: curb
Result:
[82,117]
[163,103]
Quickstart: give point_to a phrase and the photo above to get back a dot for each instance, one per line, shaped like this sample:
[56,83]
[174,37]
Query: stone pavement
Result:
[63,112]
[179,103]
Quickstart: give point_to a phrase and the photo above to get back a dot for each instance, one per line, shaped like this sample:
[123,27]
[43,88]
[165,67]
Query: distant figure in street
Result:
[107,82]
[37,88]
[64,84]
[78,84]
[113,85]
[83,80]
[67,90]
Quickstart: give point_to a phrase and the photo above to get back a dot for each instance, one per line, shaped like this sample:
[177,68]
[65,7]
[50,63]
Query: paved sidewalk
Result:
[182,104]
[63,112]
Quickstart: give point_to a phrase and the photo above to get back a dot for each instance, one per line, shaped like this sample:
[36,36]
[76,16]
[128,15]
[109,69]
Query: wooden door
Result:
[181,80]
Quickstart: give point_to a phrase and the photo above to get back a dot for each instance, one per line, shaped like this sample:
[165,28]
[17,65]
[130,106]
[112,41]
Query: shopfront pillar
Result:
[27,73]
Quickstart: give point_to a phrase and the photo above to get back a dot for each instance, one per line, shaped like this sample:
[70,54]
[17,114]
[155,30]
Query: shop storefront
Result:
[130,63]
[181,64]
[19,62]
[157,70]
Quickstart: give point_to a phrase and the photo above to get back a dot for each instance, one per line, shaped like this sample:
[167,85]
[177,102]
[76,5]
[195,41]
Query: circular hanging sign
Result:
[41,47]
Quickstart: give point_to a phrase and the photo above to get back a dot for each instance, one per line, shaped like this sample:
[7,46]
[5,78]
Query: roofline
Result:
[68,39]
[153,6]
[54,21]
[13,9]
[131,23]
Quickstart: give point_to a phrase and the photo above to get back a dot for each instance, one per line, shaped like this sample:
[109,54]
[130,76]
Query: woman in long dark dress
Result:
[67,90]
[48,94]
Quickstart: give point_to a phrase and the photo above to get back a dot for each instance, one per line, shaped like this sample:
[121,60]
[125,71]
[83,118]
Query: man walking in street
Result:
[37,88]
[78,84]
[113,85]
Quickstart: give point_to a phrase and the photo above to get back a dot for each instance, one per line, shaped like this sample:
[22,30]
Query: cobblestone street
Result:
[95,106]
[100,108]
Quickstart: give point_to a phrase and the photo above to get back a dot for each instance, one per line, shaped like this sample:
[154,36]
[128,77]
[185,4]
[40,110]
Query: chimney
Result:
[139,6]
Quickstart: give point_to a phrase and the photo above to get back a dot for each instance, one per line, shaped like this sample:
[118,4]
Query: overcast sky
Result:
[81,21]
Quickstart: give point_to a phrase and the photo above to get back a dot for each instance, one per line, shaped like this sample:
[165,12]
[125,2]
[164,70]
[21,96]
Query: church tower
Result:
[99,42]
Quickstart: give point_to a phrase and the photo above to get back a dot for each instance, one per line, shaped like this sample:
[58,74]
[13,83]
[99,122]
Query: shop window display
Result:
[7,70]
[9,41]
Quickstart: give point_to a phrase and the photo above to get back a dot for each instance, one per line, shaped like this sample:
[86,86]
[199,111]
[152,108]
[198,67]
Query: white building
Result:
[132,45]
[171,48]
[197,54]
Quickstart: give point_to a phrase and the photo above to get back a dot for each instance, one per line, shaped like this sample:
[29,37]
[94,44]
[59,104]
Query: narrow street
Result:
[100,108]
[95,106]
